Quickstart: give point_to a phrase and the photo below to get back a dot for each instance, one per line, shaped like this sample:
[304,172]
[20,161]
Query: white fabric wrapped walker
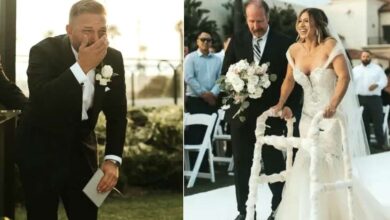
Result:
[313,147]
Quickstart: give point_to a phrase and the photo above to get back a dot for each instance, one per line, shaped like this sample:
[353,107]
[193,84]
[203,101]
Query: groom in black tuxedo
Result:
[57,149]
[258,43]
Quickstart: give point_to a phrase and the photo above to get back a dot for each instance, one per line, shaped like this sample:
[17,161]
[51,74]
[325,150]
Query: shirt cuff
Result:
[113,157]
[78,73]
[215,91]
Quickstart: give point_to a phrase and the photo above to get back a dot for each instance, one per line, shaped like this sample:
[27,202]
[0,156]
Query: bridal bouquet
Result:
[241,81]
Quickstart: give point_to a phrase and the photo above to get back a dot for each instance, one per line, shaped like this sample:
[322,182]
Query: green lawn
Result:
[144,205]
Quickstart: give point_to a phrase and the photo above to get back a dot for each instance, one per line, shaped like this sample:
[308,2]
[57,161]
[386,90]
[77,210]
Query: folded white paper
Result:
[91,189]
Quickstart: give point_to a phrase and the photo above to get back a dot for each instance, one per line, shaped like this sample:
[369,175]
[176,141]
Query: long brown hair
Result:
[320,22]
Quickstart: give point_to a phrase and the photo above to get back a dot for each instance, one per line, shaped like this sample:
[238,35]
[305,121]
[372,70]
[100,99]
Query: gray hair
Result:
[259,3]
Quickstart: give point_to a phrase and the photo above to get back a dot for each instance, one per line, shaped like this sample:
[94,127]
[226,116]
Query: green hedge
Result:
[153,148]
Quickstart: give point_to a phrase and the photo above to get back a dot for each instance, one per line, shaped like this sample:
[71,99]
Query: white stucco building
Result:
[362,24]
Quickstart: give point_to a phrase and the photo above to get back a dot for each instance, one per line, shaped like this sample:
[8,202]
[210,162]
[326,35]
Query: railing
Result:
[7,167]
[139,73]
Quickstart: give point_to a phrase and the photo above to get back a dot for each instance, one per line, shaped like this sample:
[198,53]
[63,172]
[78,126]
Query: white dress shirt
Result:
[364,76]
[88,83]
[261,44]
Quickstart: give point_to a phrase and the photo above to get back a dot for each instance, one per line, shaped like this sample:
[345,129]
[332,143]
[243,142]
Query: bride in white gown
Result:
[318,63]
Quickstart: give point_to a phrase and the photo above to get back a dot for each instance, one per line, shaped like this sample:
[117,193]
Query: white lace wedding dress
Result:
[318,88]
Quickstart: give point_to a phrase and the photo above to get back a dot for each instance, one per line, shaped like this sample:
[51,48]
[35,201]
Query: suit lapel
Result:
[99,94]
[267,49]
[68,58]
[247,46]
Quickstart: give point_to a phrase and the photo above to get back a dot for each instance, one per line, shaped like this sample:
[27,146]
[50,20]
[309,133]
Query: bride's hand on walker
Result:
[329,111]
[286,112]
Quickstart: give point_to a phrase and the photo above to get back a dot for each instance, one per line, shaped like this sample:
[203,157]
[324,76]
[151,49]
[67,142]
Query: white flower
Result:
[264,67]
[238,84]
[230,76]
[251,88]
[253,79]
[107,71]
[257,94]
[244,80]
[242,65]
[251,71]
[98,77]
[265,81]
[266,84]
[105,75]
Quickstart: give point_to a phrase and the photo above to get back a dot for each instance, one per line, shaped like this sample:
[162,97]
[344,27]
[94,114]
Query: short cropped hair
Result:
[86,6]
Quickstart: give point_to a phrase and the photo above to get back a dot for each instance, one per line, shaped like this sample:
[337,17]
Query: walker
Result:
[312,146]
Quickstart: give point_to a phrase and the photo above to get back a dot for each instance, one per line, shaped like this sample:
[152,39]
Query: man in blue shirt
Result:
[201,70]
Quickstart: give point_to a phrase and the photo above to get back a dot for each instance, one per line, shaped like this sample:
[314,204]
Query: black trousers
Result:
[243,141]
[43,196]
[194,105]
[373,112]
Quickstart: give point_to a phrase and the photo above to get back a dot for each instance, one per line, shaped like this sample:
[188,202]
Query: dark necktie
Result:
[257,50]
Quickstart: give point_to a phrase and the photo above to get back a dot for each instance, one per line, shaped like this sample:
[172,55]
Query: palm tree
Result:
[195,20]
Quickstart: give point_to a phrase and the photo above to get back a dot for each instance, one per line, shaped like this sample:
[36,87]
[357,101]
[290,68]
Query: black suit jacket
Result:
[51,126]
[10,95]
[240,47]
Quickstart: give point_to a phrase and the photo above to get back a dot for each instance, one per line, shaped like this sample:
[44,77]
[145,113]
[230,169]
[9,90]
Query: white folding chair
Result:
[385,124]
[209,121]
[312,145]
[220,139]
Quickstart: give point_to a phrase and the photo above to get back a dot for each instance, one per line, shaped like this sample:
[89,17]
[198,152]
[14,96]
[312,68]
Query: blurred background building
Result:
[361,24]
[149,38]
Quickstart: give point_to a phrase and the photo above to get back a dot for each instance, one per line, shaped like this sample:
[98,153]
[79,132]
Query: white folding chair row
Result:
[310,144]
[218,138]
[205,145]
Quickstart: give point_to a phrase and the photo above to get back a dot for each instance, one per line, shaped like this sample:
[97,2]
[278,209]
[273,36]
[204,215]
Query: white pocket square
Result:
[106,89]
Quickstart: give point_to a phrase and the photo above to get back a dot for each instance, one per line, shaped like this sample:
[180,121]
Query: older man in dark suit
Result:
[10,95]
[261,44]
[72,78]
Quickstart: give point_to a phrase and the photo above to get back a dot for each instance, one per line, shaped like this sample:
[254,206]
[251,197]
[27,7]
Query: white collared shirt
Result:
[88,83]
[364,76]
[261,44]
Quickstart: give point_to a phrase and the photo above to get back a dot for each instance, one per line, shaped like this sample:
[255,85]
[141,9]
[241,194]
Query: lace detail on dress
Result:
[318,86]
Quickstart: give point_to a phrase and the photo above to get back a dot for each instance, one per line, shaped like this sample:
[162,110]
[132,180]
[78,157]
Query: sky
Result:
[141,22]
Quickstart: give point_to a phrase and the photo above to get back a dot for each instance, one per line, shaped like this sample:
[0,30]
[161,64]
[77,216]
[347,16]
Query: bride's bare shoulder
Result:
[329,43]
[293,49]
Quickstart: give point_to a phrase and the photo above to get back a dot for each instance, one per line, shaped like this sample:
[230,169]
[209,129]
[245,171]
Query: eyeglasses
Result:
[206,39]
